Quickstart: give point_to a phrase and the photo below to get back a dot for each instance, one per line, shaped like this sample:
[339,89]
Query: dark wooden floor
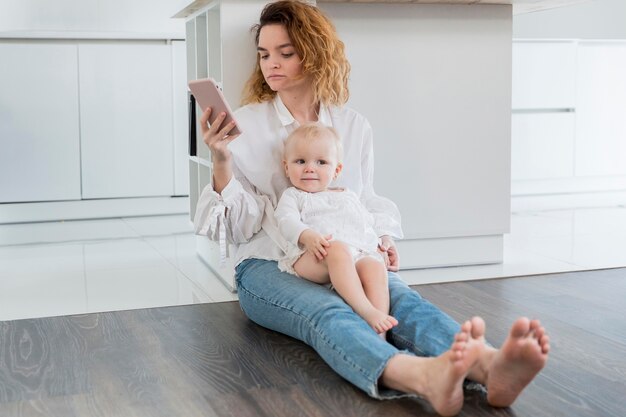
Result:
[209,360]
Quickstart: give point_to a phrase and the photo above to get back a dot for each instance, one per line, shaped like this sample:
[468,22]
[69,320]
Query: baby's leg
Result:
[345,279]
[373,276]
[308,267]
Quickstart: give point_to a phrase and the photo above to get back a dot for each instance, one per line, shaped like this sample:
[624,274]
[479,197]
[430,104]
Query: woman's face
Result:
[280,64]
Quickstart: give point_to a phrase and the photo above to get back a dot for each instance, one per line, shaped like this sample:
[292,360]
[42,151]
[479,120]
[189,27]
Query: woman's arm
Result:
[229,209]
[217,139]
[237,212]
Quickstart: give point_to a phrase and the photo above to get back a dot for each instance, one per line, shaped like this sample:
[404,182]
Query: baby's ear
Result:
[285,166]
[338,170]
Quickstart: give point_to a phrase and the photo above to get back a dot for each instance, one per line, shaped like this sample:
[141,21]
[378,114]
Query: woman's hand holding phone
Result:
[216,136]
[217,139]
[217,122]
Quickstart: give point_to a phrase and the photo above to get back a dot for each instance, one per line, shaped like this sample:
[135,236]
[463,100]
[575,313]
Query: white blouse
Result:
[243,215]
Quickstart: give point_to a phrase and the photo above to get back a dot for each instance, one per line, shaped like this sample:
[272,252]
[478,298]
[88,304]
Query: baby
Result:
[331,231]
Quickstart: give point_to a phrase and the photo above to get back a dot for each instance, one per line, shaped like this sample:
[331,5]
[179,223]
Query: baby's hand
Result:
[315,243]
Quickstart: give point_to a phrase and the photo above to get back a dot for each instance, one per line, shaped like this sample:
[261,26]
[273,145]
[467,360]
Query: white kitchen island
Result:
[435,82]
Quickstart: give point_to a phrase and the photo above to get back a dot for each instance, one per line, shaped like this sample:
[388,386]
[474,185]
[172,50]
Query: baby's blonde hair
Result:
[315,130]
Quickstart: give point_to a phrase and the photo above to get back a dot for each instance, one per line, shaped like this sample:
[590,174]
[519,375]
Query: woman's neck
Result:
[301,105]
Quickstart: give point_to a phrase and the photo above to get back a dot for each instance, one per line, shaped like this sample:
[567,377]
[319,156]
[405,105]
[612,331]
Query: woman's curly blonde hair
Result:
[316,41]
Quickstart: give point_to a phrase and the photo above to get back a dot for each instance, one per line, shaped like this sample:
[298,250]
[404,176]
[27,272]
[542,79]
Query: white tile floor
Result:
[58,268]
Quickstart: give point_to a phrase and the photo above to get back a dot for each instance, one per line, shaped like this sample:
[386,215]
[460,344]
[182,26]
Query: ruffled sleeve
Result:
[387,219]
[234,216]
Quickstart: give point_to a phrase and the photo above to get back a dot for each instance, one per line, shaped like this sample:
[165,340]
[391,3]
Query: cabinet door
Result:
[126,119]
[601,109]
[181,124]
[39,141]
[544,75]
[542,145]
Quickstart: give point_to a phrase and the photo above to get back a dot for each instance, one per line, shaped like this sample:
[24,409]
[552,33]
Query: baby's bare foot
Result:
[380,321]
[521,357]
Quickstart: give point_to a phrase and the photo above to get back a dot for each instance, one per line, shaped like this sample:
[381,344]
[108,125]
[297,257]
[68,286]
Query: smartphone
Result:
[208,94]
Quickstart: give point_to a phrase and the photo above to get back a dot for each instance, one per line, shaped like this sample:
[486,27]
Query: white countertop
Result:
[18,34]
[519,6]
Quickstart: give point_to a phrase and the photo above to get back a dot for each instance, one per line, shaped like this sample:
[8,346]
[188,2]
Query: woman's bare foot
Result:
[521,357]
[440,379]
[379,321]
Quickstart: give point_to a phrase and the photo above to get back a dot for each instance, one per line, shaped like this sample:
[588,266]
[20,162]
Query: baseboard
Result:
[414,254]
[453,251]
[92,209]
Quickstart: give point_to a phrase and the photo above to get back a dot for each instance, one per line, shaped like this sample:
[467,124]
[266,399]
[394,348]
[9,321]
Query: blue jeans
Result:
[320,318]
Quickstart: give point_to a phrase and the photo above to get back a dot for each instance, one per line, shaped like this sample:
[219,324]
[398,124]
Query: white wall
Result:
[136,16]
[596,19]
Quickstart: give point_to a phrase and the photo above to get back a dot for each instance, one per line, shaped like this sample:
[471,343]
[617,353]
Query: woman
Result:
[301,76]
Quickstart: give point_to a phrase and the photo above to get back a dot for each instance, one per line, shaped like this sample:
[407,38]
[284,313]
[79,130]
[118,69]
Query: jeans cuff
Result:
[383,393]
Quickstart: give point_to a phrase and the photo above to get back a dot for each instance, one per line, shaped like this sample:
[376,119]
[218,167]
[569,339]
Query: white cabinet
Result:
[569,129]
[83,121]
[39,137]
[441,120]
[542,145]
[126,119]
[544,105]
[180,121]
[544,75]
[601,109]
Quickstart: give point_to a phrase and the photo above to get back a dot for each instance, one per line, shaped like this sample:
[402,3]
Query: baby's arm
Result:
[294,229]
[315,243]
[287,215]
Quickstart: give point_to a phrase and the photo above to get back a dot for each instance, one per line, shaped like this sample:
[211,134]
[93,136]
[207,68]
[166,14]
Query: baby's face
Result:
[311,165]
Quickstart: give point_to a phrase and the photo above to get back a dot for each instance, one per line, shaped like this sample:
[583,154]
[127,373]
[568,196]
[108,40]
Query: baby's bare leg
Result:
[345,279]
[373,276]
[308,267]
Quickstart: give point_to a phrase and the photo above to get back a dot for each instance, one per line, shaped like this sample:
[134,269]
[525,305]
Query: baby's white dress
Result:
[336,212]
